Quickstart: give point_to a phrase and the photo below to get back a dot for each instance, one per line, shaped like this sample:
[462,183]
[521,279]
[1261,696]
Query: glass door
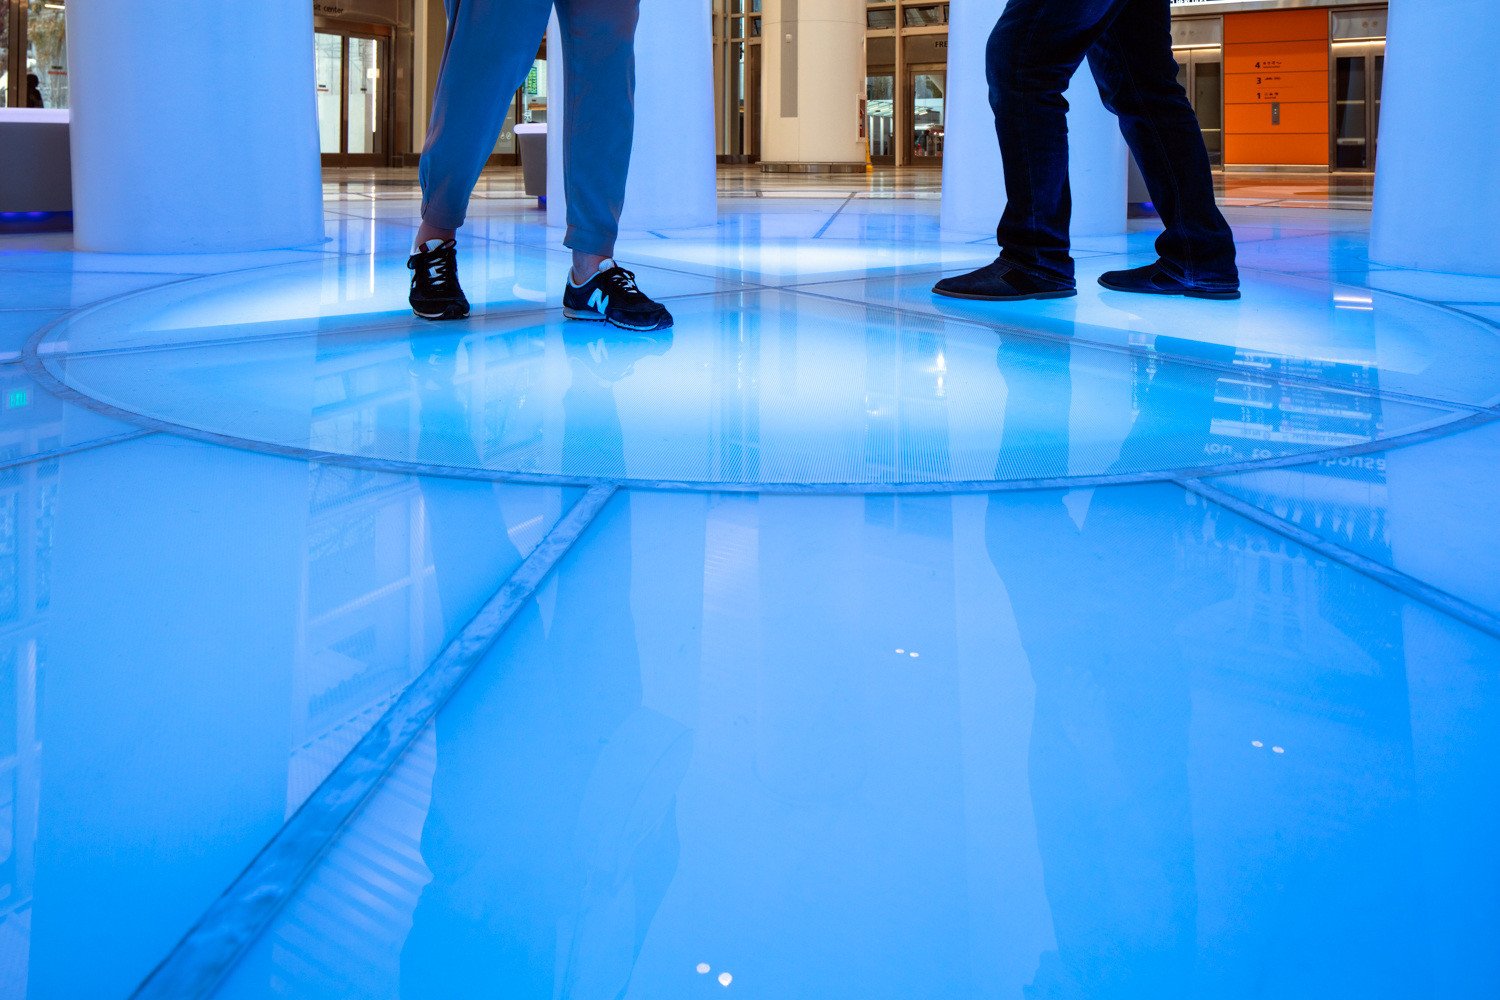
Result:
[363,134]
[353,97]
[1358,79]
[928,89]
[880,115]
[1201,73]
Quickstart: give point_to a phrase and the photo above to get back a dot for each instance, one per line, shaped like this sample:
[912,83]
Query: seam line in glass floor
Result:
[1409,586]
[833,218]
[39,371]
[73,449]
[205,955]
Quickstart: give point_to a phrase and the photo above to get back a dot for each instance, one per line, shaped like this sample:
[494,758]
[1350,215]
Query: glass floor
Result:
[840,642]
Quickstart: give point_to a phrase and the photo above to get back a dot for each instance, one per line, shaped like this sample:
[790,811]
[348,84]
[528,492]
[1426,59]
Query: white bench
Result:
[36,168]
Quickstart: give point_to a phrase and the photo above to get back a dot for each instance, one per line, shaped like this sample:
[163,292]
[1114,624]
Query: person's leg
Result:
[598,39]
[490,47]
[1033,53]
[1137,76]
[598,122]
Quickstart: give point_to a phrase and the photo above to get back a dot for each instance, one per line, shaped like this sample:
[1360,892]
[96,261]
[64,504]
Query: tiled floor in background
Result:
[900,647]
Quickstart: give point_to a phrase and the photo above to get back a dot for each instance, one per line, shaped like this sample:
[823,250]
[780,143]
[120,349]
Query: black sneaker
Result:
[435,292]
[611,296]
[1155,279]
[1000,282]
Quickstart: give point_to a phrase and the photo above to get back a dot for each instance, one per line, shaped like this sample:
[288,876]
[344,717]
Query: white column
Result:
[673,168]
[973,187]
[194,126]
[1437,185]
[813,82]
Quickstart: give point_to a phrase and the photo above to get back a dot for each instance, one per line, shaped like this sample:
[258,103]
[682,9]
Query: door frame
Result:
[894,74]
[383,34]
[909,91]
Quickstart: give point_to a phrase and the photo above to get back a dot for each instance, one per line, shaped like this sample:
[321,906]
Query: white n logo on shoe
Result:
[599,302]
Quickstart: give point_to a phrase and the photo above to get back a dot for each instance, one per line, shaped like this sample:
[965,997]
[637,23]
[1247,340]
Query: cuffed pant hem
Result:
[440,221]
[589,241]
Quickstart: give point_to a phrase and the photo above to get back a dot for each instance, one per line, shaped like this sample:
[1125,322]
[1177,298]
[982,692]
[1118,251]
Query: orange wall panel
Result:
[1264,88]
[1281,150]
[1296,119]
[1277,57]
[1276,26]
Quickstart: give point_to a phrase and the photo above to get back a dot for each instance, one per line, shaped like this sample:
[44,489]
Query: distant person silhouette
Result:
[1035,49]
[34,92]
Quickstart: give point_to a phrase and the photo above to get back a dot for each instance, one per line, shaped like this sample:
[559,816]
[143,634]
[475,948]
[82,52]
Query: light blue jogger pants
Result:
[489,51]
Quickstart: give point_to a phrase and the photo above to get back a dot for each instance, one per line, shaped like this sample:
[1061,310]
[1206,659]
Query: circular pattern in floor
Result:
[755,388]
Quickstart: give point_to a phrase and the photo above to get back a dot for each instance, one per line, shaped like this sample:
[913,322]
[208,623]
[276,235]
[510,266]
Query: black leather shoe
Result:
[1154,279]
[1000,282]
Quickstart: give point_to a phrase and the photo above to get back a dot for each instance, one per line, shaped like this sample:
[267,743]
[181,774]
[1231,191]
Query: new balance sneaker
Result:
[435,292]
[612,296]
[1000,282]
[1155,279]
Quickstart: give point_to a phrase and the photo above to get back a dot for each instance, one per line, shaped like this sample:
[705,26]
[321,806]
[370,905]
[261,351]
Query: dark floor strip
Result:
[1439,600]
[199,962]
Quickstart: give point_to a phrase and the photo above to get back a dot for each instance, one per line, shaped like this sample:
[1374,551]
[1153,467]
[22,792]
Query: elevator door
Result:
[352,93]
[1201,73]
[1358,78]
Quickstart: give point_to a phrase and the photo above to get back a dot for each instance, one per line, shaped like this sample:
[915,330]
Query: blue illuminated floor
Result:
[842,643]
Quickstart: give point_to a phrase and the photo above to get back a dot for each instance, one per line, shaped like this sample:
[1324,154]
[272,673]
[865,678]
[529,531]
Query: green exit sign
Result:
[17,399]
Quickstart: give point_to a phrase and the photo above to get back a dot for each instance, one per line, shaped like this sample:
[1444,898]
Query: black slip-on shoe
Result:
[435,291]
[612,296]
[1001,282]
[1153,279]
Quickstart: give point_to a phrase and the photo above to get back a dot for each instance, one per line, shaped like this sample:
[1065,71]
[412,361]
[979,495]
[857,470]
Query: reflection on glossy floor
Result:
[842,643]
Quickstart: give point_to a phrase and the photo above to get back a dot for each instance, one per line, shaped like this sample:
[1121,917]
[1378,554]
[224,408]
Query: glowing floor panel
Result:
[984,747]
[841,642]
[782,389]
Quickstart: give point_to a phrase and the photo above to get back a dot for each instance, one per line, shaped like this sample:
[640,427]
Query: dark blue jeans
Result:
[1033,53]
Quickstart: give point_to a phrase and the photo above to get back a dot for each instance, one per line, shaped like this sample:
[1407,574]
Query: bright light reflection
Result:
[725,979]
[1278,749]
[703,968]
[1257,744]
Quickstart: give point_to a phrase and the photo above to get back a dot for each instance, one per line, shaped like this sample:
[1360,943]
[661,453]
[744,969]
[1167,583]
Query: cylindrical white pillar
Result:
[1437,188]
[813,83]
[673,178]
[194,126]
[973,186]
